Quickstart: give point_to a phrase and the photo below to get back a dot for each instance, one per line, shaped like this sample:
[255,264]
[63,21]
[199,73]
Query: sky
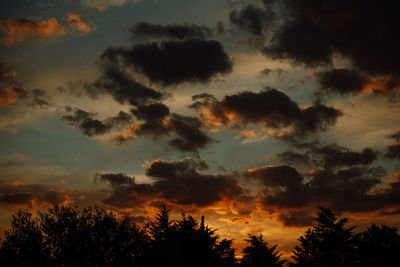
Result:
[252,113]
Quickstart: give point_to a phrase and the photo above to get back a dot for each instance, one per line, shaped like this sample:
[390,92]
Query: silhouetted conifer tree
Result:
[327,243]
[378,246]
[184,243]
[258,254]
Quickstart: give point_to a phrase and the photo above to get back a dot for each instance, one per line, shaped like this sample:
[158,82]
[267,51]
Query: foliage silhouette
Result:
[327,243]
[24,243]
[65,236]
[258,254]
[378,246]
[185,243]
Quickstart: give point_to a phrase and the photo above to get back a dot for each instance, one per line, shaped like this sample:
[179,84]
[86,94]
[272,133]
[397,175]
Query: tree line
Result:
[66,236]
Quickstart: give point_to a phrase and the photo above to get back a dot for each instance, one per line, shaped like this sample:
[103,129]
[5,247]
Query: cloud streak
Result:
[17,31]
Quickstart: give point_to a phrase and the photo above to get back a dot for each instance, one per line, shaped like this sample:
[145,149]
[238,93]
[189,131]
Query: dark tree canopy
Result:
[378,246]
[258,254]
[65,236]
[327,243]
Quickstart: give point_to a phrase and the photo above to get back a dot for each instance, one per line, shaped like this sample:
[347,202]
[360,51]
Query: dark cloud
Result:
[296,218]
[334,156]
[175,62]
[39,93]
[364,32]
[19,198]
[174,31]
[182,183]
[313,33]
[252,19]
[151,113]
[30,195]
[286,184]
[91,126]
[294,158]
[341,81]
[356,189]
[120,85]
[266,71]
[190,136]
[271,108]
[202,99]
[393,150]
[315,119]
[179,182]
[126,193]
[329,156]
[187,130]
[4,73]
[38,102]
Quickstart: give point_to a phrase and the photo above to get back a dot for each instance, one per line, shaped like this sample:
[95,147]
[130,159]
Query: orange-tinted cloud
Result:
[74,20]
[246,134]
[17,31]
[31,196]
[10,94]
[271,108]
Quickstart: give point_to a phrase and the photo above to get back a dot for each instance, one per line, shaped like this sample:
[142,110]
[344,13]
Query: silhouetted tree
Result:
[327,243]
[378,246]
[185,243]
[161,227]
[65,236]
[91,237]
[258,254]
[24,243]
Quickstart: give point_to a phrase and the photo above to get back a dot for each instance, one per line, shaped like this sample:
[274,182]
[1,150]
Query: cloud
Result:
[17,31]
[316,33]
[179,182]
[345,81]
[356,189]
[174,31]
[32,98]
[296,218]
[126,193]
[329,156]
[334,156]
[30,195]
[342,81]
[74,20]
[270,108]
[252,19]
[339,27]
[119,84]
[189,136]
[103,3]
[393,150]
[11,93]
[294,158]
[4,73]
[175,62]
[91,127]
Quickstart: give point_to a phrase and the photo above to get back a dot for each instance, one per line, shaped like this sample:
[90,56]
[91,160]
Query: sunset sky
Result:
[252,113]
